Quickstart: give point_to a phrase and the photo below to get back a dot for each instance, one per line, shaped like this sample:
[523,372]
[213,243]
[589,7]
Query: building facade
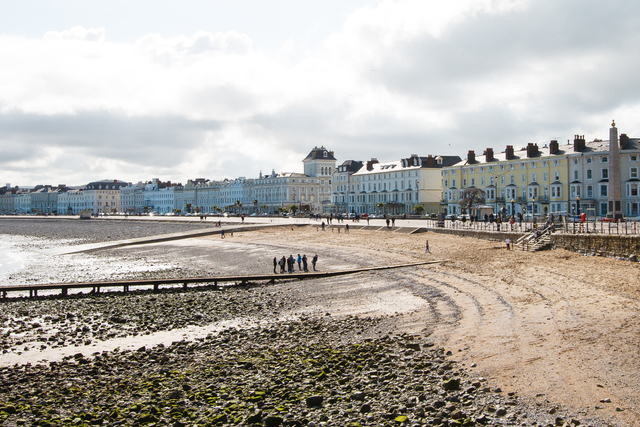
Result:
[398,186]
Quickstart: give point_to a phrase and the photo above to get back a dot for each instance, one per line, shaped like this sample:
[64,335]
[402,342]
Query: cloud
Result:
[77,33]
[399,77]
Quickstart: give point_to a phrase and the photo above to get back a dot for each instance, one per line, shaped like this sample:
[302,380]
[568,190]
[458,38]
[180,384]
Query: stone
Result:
[314,401]
[452,384]
[273,421]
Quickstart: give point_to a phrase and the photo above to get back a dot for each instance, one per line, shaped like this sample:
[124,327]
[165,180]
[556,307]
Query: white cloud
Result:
[399,77]
[77,33]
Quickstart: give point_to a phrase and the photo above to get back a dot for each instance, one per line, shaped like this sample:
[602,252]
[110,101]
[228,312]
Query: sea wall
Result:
[623,247]
[614,246]
[479,234]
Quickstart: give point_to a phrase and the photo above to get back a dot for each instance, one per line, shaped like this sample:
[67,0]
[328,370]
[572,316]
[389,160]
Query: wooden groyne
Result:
[128,285]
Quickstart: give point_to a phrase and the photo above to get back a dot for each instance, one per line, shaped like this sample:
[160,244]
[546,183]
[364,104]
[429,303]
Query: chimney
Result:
[488,153]
[371,162]
[553,146]
[431,162]
[471,157]
[624,139]
[532,149]
[578,143]
[509,152]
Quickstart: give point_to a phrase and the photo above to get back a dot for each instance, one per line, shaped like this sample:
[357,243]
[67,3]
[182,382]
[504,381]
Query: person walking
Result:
[508,242]
[304,263]
[275,265]
[314,261]
[299,262]
[282,262]
[346,228]
[222,234]
[427,250]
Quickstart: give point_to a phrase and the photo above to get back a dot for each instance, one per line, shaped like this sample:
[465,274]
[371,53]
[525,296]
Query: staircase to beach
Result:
[529,242]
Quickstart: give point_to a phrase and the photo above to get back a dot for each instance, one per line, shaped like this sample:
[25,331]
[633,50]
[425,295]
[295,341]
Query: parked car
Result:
[608,219]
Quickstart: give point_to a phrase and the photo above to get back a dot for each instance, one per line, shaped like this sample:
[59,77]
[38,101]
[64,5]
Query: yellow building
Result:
[529,181]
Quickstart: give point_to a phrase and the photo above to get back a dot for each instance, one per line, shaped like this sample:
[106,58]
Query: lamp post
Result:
[578,205]
[533,207]
[513,210]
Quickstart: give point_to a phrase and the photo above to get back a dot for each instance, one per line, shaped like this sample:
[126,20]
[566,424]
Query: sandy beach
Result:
[557,329]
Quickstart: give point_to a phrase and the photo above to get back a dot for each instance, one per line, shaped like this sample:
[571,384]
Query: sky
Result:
[141,89]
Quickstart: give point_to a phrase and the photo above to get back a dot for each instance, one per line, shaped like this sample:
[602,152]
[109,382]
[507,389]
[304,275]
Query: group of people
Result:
[288,264]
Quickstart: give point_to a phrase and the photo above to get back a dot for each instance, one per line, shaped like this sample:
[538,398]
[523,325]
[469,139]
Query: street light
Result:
[513,210]
[533,207]
[578,205]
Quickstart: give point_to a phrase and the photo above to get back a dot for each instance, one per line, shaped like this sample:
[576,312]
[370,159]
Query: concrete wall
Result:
[623,247]
[614,246]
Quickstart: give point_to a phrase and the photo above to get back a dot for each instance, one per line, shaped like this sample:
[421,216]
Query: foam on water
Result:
[11,257]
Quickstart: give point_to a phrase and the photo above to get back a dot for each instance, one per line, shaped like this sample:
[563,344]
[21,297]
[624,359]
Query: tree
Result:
[188,207]
[255,204]
[419,209]
[294,209]
[380,206]
[471,197]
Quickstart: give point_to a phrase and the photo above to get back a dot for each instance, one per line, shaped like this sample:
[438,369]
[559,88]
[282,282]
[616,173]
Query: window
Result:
[502,180]
[632,189]
[633,158]
[453,182]
[524,178]
[589,174]
[534,177]
[511,179]
[464,182]
[589,191]
[473,182]
[511,166]
[633,173]
[575,175]
[575,160]
[490,168]
[556,175]
[603,190]
[545,176]
[556,162]
[605,173]
[501,167]
[605,159]
[589,160]
[533,164]
[482,181]
[544,164]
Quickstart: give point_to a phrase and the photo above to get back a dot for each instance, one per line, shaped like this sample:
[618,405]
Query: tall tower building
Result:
[615,205]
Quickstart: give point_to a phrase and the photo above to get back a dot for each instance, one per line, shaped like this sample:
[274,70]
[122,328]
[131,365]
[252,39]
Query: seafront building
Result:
[561,179]
[97,197]
[397,187]
[531,180]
